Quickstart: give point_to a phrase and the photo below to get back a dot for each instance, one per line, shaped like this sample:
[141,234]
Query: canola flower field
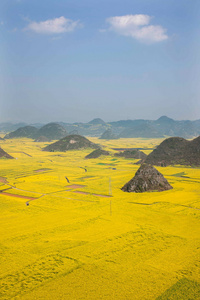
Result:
[86,239]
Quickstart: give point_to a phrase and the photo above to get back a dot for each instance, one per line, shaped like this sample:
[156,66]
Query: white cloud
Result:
[54,26]
[138,27]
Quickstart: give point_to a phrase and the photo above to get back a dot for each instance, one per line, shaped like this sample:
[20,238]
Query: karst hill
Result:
[97,153]
[176,150]
[108,135]
[147,179]
[71,142]
[26,131]
[97,121]
[135,153]
[52,131]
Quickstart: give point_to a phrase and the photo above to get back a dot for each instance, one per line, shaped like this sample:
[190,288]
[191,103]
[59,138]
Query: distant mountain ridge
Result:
[50,131]
[143,130]
[108,135]
[26,131]
[163,126]
[9,127]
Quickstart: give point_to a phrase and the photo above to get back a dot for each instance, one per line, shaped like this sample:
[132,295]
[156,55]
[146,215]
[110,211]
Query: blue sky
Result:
[70,60]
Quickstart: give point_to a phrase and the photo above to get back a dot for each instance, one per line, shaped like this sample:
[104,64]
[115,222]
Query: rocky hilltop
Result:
[97,121]
[71,142]
[176,150]
[97,153]
[147,179]
[136,154]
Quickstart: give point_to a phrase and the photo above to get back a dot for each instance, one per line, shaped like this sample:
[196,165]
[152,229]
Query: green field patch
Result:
[184,289]
[106,164]
[181,174]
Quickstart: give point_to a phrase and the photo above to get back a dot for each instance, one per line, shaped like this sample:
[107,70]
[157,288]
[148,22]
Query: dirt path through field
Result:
[3,180]
[75,186]
[17,196]
[42,170]
[86,193]
[71,187]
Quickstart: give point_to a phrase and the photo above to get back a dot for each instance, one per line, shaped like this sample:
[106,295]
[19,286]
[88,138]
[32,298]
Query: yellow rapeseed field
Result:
[86,239]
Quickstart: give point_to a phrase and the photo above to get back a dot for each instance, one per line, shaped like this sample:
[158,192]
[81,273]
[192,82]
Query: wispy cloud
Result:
[138,27]
[54,26]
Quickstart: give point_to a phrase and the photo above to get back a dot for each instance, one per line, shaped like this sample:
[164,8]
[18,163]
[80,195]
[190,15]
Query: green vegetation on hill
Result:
[71,142]
[108,135]
[26,131]
[142,130]
[97,121]
[52,131]
[163,126]
[183,289]
[176,150]
[137,154]
[97,153]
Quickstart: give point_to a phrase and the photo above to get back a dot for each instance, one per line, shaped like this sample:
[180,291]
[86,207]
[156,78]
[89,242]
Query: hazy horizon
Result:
[73,61]
[87,121]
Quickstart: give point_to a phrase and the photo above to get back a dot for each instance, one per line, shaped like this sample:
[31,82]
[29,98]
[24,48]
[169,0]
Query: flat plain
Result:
[87,239]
